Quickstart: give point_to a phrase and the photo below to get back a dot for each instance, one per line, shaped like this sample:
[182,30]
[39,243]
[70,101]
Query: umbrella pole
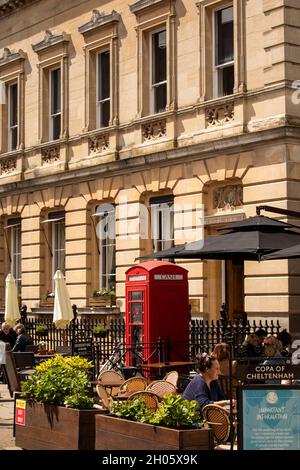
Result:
[229,341]
[73,327]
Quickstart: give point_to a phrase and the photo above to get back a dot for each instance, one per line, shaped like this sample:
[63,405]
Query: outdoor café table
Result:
[43,357]
[162,367]
[110,385]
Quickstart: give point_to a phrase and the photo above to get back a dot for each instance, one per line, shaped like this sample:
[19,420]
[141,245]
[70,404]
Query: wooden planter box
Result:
[49,427]
[42,333]
[104,301]
[47,303]
[121,434]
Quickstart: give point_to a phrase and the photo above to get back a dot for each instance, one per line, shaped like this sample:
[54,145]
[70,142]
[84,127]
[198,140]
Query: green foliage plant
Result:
[41,328]
[59,380]
[99,329]
[173,412]
[80,401]
[134,410]
[104,293]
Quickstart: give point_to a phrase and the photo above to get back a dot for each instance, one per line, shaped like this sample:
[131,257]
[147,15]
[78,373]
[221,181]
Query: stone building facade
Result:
[159,102]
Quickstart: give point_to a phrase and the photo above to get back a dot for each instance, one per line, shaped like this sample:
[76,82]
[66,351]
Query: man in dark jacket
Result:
[23,338]
[7,334]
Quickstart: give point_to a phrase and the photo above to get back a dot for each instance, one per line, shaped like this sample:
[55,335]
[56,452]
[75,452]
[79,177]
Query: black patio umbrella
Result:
[248,239]
[293,252]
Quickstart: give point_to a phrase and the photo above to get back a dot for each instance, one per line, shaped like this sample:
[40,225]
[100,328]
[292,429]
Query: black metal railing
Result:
[204,335]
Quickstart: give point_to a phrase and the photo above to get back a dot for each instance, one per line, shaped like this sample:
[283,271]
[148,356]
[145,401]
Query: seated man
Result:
[7,334]
[205,388]
[23,338]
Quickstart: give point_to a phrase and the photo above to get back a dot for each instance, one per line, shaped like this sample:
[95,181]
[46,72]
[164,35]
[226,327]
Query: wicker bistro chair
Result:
[162,388]
[112,380]
[172,377]
[105,399]
[219,420]
[151,399]
[134,384]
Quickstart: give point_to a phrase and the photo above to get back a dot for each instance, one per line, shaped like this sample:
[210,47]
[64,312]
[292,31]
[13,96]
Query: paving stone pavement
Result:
[7,441]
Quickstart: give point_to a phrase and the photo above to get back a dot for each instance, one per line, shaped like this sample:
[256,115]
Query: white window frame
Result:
[99,101]
[162,226]
[53,115]
[216,68]
[104,246]
[15,255]
[9,126]
[58,246]
[151,67]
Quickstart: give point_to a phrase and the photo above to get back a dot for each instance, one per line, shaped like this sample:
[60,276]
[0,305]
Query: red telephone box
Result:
[157,306]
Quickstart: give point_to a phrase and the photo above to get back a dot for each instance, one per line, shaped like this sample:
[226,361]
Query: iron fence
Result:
[204,335]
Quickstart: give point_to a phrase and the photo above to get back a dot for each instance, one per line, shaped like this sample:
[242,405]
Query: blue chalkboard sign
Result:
[269,417]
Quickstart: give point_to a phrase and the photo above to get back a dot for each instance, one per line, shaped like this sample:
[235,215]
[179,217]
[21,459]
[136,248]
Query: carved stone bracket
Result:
[154,130]
[219,115]
[49,40]
[99,19]
[98,143]
[8,165]
[227,197]
[9,56]
[50,155]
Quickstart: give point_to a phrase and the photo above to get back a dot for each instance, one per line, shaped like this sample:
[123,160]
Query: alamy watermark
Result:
[296,93]
[161,222]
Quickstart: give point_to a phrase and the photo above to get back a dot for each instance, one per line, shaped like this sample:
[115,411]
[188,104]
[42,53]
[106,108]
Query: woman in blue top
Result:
[205,388]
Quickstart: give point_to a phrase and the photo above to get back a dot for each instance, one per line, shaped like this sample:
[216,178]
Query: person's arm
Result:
[18,345]
[201,394]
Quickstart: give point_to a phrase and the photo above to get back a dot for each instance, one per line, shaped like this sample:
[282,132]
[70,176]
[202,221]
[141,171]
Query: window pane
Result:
[226,80]
[105,113]
[55,91]
[107,248]
[58,246]
[16,255]
[13,105]
[224,33]
[159,57]
[160,99]
[104,91]
[14,138]
[162,224]
[56,127]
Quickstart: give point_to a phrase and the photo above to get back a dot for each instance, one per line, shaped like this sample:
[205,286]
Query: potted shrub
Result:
[102,298]
[176,425]
[41,330]
[100,331]
[59,411]
[42,347]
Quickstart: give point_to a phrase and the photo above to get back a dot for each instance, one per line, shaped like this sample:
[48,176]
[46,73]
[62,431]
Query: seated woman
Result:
[205,388]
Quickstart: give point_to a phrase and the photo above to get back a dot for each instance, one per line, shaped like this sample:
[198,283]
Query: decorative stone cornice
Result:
[8,6]
[50,40]
[9,56]
[99,19]
[142,4]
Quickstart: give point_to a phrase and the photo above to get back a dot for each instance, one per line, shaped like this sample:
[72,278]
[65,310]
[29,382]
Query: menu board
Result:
[269,417]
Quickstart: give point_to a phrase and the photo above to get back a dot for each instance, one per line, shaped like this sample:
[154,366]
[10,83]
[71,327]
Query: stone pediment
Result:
[99,19]
[142,4]
[9,56]
[50,40]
